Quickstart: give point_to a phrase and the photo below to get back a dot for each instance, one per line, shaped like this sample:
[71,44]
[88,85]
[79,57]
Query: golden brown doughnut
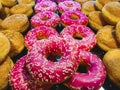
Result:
[88,7]
[29,2]
[106,38]
[8,3]
[22,9]
[111,61]
[111,12]
[100,3]
[4,47]
[118,32]
[82,1]
[96,20]
[0,6]
[16,40]
[16,22]
[5,68]
[0,24]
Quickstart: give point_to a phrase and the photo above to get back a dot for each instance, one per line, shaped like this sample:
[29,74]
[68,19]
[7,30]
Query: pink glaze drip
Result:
[94,78]
[63,6]
[88,40]
[41,6]
[20,79]
[53,19]
[66,20]
[41,31]
[48,71]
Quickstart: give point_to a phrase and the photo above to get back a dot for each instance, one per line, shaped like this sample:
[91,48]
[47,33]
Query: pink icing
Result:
[45,6]
[20,79]
[41,31]
[66,20]
[38,1]
[62,0]
[94,78]
[64,6]
[48,71]
[53,19]
[88,40]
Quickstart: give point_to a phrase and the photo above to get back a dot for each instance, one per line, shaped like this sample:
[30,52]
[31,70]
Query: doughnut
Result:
[45,6]
[4,47]
[94,75]
[37,34]
[80,35]
[1,6]
[68,6]
[20,79]
[0,24]
[46,18]
[100,3]
[82,1]
[22,9]
[29,2]
[88,7]
[96,20]
[111,61]
[71,17]
[5,68]
[58,1]
[42,62]
[106,38]
[8,3]
[16,40]
[16,22]
[110,12]
[38,1]
[117,32]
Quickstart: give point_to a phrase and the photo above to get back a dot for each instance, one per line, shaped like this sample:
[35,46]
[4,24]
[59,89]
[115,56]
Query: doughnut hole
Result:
[45,6]
[69,5]
[74,16]
[83,67]
[45,18]
[77,36]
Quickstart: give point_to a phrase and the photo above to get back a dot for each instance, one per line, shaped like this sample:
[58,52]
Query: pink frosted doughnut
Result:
[86,37]
[45,18]
[38,33]
[38,1]
[68,6]
[58,1]
[71,17]
[42,63]
[20,79]
[93,78]
[45,6]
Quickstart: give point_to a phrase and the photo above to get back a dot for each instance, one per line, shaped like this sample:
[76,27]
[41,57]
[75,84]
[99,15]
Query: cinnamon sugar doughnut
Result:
[45,6]
[118,31]
[46,18]
[82,1]
[20,79]
[42,64]
[37,34]
[29,2]
[8,3]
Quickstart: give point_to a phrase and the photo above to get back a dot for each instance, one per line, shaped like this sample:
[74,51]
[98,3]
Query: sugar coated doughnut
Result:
[45,6]
[42,63]
[118,31]
[94,76]
[68,6]
[20,78]
[38,33]
[28,2]
[46,18]
[80,35]
[73,17]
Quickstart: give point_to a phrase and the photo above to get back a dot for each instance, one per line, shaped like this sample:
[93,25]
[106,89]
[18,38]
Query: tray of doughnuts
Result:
[59,44]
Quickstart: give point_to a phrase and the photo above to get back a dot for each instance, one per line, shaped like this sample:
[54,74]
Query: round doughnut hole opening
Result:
[39,37]
[53,57]
[45,6]
[45,18]
[77,36]
[74,17]
[83,67]
[69,5]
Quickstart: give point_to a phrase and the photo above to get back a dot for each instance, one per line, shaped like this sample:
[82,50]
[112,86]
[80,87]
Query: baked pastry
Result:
[0,24]
[16,40]
[0,6]
[82,1]
[8,3]
[5,68]
[96,20]
[106,38]
[111,12]
[22,9]
[4,47]
[88,7]
[111,61]
[100,3]
[16,22]
[29,2]
[118,32]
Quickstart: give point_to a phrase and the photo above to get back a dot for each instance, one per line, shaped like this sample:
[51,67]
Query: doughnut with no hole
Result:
[95,76]
[38,33]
